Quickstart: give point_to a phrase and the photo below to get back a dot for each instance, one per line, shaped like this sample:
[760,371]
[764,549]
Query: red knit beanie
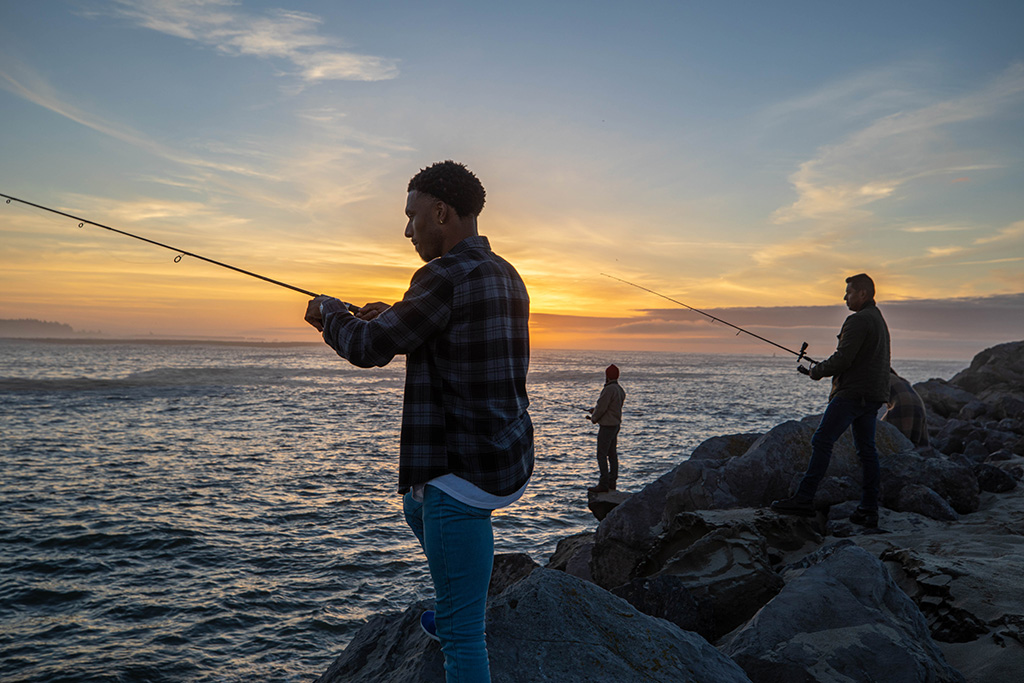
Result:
[611,372]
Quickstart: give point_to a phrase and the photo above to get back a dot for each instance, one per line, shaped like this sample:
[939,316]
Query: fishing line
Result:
[180,252]
[800,355]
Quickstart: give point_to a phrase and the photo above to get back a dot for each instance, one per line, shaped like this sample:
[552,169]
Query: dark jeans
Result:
[840,414]
[608,454]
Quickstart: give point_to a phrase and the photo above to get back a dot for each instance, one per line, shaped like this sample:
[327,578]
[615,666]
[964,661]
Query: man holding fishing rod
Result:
[859,369]
[467,439]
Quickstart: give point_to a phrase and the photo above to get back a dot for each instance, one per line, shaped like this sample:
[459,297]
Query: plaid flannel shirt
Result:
[463,327]
[906,411]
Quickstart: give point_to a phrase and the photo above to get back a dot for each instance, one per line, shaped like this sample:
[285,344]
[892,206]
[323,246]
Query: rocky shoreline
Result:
[693,578]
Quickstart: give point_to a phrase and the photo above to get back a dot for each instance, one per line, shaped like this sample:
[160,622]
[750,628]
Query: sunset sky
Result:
[742,157]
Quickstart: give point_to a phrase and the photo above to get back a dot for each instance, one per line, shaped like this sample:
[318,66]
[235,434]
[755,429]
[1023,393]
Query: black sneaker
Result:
[868,518]
[794,506]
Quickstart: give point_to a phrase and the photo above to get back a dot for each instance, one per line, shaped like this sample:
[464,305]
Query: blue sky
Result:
[729,154]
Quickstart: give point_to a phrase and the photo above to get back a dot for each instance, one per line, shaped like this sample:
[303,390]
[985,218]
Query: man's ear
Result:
[441,210]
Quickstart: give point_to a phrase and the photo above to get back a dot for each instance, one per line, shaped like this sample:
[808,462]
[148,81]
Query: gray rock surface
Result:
[843,619]
[997,368]
[548,627]
[626,534]
[553,627]
[603,503]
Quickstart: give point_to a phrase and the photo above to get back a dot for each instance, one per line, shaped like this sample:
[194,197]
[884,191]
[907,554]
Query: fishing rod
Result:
[560,402]
[800,355]
[180,252]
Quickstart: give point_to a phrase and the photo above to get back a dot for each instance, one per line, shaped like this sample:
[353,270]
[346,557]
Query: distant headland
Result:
[29,327]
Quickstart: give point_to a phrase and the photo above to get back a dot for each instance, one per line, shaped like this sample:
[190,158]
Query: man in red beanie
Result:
[608,415]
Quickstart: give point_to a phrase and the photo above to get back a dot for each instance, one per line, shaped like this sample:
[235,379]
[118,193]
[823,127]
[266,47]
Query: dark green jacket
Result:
[860,366]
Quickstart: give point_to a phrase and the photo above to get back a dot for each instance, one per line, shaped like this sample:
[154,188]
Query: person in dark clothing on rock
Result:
[906,411]
[859,369]
[608,415]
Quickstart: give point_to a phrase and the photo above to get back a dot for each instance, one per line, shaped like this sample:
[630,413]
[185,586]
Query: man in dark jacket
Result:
[860,385]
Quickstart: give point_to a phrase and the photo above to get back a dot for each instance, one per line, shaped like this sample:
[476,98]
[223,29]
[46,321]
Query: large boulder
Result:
[728,569]
[553,627]
[943,399]
[548,627]
[667,597]
[954,482]
[842,619]
[626,534]
[771,468]
[997,368]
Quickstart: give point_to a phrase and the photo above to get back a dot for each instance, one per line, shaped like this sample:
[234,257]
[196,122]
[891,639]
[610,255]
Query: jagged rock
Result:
[929,586]
[603,503]
[723,557]
[924,501]
[509,568]
[994,479]
[998,367]
[666,597]
[728,569]
[842,619]
[941,398]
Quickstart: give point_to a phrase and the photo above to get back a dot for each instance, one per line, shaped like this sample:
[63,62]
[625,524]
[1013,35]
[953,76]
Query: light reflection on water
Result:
[218,512]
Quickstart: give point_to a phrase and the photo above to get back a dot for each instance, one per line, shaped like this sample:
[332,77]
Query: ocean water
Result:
[227,512]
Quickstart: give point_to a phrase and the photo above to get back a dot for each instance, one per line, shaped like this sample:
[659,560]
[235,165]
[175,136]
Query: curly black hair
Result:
[453,184]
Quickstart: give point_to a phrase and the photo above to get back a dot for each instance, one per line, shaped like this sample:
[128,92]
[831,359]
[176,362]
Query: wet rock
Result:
[842,619]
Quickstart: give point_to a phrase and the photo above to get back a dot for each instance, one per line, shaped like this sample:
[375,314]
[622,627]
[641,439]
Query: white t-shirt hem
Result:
[470,494]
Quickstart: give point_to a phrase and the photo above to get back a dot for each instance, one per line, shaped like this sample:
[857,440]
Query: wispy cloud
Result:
[936,252]
[278,34]
[1011,233]
[877,161]
[33,88]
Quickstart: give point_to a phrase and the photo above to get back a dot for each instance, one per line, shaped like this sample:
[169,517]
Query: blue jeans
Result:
[840,414]
[459,544]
